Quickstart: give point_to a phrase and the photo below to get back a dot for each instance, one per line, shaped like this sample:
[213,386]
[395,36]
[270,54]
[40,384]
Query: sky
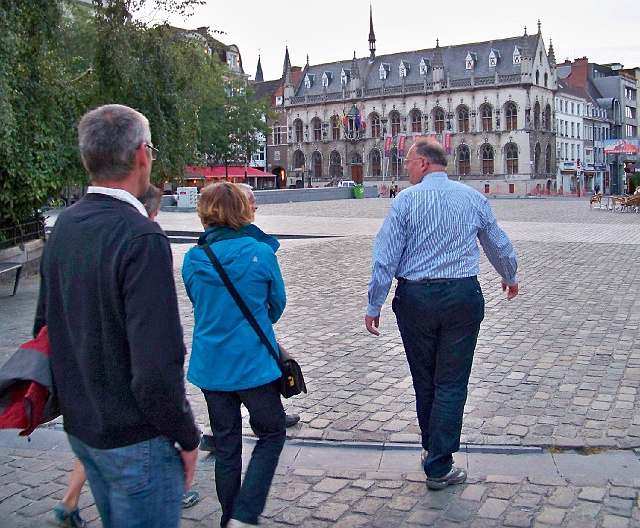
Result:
[331,30]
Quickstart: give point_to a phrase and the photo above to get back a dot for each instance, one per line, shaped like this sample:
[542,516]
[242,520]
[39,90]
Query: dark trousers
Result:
[245,501]
[439,325]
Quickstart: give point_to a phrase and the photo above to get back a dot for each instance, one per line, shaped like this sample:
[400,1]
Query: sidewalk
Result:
[556,374]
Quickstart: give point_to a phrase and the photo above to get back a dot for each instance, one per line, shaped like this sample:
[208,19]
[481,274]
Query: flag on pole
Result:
[358,122]
[344,120]
[363,123]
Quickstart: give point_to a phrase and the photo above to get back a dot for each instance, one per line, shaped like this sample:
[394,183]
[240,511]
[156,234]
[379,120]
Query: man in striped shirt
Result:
[429,243]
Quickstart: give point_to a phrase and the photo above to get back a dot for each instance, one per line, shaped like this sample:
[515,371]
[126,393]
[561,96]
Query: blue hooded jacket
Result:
[227,354]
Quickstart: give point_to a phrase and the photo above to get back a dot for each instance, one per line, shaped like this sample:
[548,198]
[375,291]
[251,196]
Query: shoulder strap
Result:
[240,302]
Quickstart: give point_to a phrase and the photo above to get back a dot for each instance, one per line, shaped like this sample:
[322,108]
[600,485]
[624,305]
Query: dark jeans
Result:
[245,501]
[439,325]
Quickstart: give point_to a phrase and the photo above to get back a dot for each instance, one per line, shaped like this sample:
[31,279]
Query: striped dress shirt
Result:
[432,232]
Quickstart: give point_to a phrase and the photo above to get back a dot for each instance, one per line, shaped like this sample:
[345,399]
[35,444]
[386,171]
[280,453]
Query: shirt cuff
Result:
[373,311]
[511,282]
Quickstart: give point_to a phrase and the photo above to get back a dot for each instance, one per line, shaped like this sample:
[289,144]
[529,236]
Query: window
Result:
[316,164]
[375,161]
[547,118]
[416,121]
[511,115]
[512,158]
[536,116]
[463,119]
[464,163]
[375,125]
[316,126]
[297,126]
[547,160]
[487,159]
[298,160]
[396,162]
[438,120]
[276,133]
[573,131]
[335,127]
[487,118]
[536,159]
[486,188]
[394,117]
[512,188]
[335,165]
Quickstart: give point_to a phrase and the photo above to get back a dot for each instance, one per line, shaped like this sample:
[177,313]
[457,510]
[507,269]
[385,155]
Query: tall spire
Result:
[287,62]
[551,54]
[355,71]
[372,36]
[259,75]
[437,56]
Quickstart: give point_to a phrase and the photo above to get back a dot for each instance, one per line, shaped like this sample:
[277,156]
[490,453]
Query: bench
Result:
[595,199]
[6,267]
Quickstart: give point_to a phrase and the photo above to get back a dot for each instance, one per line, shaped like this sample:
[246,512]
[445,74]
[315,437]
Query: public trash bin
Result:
[358,191]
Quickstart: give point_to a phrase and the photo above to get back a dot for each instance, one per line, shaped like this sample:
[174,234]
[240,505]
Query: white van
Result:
[346,183]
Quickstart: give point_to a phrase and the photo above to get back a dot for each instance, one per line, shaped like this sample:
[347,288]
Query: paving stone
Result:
[493,508]
[592,494]
[552,516]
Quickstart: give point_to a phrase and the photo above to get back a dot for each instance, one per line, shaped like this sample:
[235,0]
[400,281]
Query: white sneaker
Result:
[235,523]
[423,457]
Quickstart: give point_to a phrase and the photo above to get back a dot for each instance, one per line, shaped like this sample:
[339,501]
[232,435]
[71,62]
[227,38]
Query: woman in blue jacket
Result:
[228,361]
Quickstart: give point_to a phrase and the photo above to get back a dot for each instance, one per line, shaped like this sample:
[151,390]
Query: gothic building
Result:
[490,103]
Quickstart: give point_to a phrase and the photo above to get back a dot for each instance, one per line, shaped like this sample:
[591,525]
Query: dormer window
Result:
[494,57]
[470,61]
[308,80]
[279,100]
[517,56]
[425,64]
[385,68]
[326,78]
[405,66]
[345,75]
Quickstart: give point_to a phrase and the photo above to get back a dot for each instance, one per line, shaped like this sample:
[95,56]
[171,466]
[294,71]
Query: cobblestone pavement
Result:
[559,366]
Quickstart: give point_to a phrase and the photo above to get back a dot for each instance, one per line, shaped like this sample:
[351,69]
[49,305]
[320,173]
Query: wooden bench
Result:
[6,267]
[596,199]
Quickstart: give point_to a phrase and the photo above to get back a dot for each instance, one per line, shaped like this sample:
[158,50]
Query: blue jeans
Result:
[245,501]
[136,486]
[439,325]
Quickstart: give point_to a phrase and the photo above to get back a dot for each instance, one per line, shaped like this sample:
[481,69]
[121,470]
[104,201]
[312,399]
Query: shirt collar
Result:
[120,194]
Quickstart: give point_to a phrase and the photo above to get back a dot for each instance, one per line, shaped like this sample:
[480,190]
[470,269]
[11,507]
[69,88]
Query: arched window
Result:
[487,117]
[374,119]
[464,160]
[546,79]
[547,159]
[375,160]
[511,116]
[356,158]
[512,158]
[438,120]
[416,121]
[335,165]
[537,77]
[536,159]
[394,117]
[335,127]
[276,133]
[298,160]
[536,116]
[463,119]
[316,126]
[547,118]
[487,159]
[297,126]
[395,163]
[316,164]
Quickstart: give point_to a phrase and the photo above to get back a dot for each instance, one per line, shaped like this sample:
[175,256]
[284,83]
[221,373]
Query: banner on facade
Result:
[447,142]
[387,145]
[416,136]
[402,139]
[434,135]
[621,146]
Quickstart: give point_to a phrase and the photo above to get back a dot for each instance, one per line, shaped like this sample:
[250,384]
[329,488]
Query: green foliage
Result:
[58,60]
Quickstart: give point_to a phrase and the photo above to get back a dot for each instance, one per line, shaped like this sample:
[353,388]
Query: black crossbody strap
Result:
[240,302]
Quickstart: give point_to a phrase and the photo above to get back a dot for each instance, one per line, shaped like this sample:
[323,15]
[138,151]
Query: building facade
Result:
[490,103]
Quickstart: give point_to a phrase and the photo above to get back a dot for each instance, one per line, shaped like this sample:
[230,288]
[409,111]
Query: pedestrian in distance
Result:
[392,189]
[229,362]
[429,243]
[109,299]
[66,513]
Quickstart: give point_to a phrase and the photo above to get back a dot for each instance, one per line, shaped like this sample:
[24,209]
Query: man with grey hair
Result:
[429,243]
[108,297]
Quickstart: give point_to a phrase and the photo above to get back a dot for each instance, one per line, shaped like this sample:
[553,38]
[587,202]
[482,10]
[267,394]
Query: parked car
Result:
[346,183]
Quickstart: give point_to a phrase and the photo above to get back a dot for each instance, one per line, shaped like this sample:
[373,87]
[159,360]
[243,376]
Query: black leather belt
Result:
[427,282]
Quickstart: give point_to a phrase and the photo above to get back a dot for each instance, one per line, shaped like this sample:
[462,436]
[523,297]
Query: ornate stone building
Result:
[490,103]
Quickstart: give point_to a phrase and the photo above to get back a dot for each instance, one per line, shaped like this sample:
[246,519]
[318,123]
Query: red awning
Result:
[220,171]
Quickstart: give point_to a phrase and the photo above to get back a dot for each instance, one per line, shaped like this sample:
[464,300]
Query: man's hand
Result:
[189,459]
[513,291]
[372,323]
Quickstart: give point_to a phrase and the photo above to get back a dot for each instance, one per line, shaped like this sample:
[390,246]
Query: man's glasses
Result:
[154,151]
[409,160]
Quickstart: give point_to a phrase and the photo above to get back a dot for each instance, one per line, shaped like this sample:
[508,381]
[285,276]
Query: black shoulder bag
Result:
[291,382]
